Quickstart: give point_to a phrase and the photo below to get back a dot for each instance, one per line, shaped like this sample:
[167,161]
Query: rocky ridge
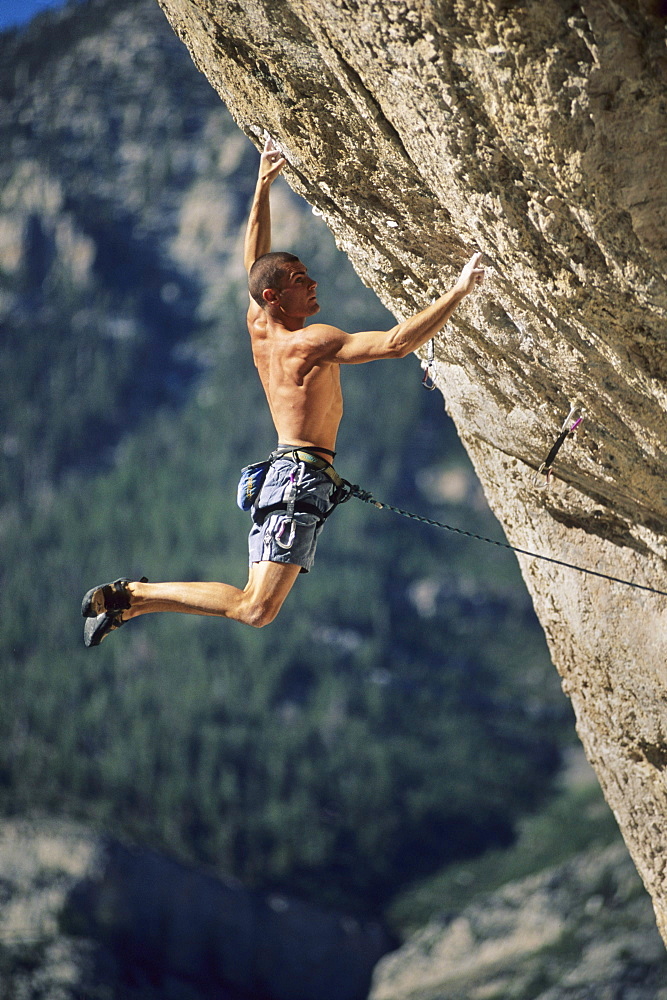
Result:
[580,930]
[82,915]
[535,132]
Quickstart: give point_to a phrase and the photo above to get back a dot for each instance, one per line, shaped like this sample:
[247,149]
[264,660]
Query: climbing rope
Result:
[360,494]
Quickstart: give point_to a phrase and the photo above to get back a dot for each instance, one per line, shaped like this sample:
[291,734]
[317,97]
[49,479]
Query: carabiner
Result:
[427,380]
[290,541]
[290,500]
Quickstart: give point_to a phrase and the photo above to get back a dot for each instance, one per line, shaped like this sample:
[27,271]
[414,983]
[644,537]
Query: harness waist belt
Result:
[315,461]
[300,507]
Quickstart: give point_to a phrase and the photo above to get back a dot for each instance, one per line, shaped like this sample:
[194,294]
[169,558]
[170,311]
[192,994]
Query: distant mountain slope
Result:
[100,147]
[580,931]
[83,916]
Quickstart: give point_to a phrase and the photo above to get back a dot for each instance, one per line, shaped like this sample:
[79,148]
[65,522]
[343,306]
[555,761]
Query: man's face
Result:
[297,297]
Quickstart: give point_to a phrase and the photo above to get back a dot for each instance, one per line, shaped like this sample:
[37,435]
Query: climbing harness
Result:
[253,476]
[427,380]
[570,425]
[252,480]
[356,491]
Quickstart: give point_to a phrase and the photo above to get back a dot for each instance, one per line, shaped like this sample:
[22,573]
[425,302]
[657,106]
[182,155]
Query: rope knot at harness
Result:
[356,491]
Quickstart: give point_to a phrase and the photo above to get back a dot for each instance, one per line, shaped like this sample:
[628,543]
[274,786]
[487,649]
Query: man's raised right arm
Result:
[258,230]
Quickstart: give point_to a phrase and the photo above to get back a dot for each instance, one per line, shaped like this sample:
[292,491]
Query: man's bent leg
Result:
[257,604]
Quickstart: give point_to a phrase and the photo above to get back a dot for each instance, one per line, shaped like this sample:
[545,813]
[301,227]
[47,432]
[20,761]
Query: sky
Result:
[16,12]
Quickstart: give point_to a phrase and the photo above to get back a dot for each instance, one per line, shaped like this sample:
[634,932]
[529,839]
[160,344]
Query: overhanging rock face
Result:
[535,131]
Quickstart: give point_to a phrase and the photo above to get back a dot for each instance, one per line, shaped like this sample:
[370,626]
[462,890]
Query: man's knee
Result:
[261,607]
[268,585]
[261,613]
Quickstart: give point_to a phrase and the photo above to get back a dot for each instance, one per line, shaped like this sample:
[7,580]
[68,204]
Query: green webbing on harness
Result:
[356,491]
[311,459]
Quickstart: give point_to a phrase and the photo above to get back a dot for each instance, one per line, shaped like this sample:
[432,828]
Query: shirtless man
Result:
[299,367]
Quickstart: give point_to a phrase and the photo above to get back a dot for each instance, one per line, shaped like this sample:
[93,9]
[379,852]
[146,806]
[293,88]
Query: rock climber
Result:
[299,368]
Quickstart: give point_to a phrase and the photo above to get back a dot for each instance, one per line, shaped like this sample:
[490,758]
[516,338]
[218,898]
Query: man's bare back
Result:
[303,390]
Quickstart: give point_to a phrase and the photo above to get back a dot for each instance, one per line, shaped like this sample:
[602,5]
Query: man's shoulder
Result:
[323,331]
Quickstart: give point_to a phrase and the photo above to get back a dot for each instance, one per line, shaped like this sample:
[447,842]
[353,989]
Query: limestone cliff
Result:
[535,131]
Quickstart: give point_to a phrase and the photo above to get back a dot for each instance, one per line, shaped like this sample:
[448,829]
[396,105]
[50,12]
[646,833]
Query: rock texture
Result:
[535,131]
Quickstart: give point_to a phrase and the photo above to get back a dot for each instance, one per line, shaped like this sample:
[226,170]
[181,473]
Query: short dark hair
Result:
[268,272]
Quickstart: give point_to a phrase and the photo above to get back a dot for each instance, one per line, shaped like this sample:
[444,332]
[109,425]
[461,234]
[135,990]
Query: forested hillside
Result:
[402,711]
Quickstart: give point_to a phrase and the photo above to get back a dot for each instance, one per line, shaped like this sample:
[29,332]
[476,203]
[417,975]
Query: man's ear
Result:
[270,296]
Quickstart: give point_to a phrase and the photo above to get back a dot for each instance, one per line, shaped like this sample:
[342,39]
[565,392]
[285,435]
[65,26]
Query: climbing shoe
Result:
[107,597]
[97,628]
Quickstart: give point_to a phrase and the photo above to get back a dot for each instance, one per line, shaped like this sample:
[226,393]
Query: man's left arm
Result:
[374,345]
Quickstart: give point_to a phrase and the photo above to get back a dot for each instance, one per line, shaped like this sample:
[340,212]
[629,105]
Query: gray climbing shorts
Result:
[271,538]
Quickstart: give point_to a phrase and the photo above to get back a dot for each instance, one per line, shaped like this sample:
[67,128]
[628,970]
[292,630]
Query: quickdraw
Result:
[427,380]
[569,426]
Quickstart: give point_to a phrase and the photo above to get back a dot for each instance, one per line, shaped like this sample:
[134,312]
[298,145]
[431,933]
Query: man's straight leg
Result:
[257,604]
